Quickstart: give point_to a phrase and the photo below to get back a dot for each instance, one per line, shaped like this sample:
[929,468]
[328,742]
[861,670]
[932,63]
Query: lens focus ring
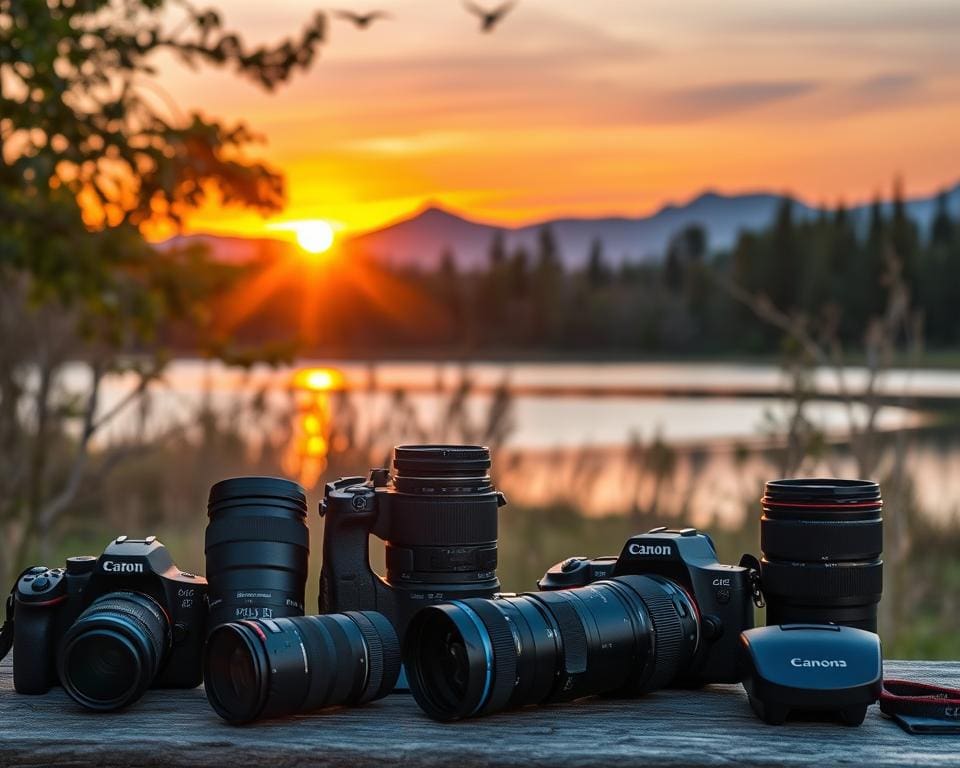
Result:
[149,617]
[575,648]
[814,580]
[504,652]
[829,539]
[668,633]
[383,653]
[279,530]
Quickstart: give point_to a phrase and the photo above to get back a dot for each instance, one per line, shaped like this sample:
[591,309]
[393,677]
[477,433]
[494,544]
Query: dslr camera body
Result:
[437,514]
[723,596]
[107,628]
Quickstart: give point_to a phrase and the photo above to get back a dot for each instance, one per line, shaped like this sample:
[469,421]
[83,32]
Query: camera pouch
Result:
[821,668]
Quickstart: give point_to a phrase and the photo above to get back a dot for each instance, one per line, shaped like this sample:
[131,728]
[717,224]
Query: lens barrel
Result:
[821,541]
[257,546]
[625,636]
[443,527]
[110,655]
[261,669]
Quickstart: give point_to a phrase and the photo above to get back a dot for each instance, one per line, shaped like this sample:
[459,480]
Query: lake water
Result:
[578,432]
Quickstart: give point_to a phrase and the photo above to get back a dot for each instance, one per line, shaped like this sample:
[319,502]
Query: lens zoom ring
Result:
[243,528]
[504,652]
[801,580]
[821,540]
[142,610]
[572,634]
[464,520]
[383,653]
[667,632]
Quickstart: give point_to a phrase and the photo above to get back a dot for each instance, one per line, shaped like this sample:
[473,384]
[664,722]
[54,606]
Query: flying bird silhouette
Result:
[362,20]
[489,18]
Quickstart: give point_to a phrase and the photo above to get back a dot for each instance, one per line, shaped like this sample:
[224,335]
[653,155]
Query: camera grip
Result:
[34,649]
[347,582]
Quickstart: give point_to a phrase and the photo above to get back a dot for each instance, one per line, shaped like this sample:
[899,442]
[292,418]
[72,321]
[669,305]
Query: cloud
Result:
[883,90]
[887,86]
[720,99]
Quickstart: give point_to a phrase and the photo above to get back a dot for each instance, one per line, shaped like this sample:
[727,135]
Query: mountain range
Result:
[422,238]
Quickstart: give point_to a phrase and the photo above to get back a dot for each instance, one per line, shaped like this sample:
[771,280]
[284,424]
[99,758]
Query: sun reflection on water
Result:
[313,388]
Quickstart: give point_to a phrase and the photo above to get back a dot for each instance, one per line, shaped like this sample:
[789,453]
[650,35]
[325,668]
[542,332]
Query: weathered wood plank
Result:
[709,728]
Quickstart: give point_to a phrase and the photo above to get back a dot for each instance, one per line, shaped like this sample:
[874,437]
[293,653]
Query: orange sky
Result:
[592,107]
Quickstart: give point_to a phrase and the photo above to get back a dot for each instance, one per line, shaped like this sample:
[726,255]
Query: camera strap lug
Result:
[753,568]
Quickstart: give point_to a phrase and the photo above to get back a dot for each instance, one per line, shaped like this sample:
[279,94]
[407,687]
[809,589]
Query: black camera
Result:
[109,628]
[723,596]
[663,613]
[438,517]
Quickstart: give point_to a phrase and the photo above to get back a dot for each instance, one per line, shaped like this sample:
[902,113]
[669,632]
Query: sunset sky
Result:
[594,107]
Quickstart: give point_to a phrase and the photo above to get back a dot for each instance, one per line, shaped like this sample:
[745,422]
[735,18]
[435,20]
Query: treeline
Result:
[830,268]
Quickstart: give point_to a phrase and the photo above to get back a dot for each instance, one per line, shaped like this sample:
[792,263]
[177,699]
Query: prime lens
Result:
[261,669]
[257,546]
[624,636]
[821,541]
[112,652]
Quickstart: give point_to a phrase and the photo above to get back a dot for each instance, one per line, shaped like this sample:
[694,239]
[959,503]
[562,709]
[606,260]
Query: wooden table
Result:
[714,726]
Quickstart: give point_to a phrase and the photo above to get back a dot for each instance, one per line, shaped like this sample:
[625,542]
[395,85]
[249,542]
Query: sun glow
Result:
[318,379]
[315,236]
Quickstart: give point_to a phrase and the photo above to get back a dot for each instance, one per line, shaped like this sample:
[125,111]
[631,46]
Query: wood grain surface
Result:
[710,727]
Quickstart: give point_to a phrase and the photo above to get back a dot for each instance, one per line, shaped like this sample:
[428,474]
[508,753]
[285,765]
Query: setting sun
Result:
[315,236]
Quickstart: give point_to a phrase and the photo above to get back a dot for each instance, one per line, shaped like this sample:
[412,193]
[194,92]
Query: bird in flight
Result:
[362,20]
[489,18]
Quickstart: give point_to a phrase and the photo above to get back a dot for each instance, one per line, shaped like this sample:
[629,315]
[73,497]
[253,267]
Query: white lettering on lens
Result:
[113,567]
[952,712]
[649,549]
[796,661]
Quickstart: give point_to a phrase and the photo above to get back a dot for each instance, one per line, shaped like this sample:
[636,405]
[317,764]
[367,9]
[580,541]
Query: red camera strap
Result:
[904,697]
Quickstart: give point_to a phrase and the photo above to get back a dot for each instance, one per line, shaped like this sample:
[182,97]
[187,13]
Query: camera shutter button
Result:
[570,564]
[80,564]
[40,584]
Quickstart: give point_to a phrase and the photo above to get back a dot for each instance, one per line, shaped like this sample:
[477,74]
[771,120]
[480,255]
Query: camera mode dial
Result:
[40,584]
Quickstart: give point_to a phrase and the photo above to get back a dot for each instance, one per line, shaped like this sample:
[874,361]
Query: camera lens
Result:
[821,541]
[260,669]
[111,653]
[624,636]
[257,545]
[442,534]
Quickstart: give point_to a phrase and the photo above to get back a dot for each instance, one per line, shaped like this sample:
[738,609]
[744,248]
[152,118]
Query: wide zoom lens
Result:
[257,546]
[260,669]
[821,542]
[111,653]
[625,636]
[442,535]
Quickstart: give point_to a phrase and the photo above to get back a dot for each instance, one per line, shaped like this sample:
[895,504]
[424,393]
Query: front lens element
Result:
[112,652]
[260,669]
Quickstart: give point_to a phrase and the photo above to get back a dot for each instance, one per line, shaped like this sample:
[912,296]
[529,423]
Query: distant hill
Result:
[422,238]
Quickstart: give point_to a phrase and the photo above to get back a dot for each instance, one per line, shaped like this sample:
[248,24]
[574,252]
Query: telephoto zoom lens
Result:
[257,547]
[110,655]
[821,542]
[260,669]
[625,636]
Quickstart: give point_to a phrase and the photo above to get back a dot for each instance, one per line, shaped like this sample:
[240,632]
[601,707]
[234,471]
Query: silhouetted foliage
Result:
[831,269]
